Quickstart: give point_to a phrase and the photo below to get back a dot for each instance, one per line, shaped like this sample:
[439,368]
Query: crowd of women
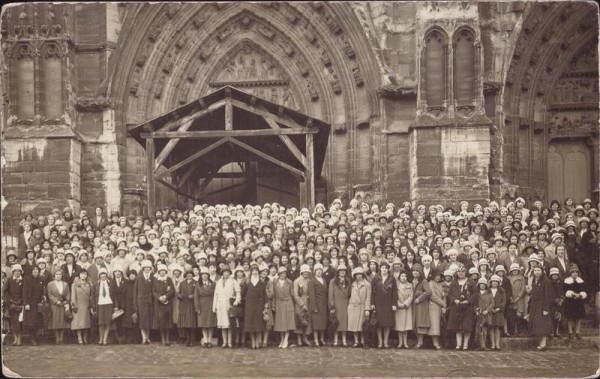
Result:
[342,276]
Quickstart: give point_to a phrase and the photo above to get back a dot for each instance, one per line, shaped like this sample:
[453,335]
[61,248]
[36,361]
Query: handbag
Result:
[40,307]
[117,313]
[266,316]
[68,314]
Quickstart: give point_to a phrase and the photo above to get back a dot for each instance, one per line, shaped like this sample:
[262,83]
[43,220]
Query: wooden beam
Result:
[310,173]
[173,125]
[230,133]
[150,184]
[176,190]
[288,142]
[266,114]
[224,189]
[203,186]
[186,175]
[228,114]
[267,157]
[171,144]
[277,189]
[193,157]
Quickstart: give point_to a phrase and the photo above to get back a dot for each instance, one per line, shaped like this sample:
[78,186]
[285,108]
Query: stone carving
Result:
[466,110]
[287,48]
[246,21]
[93,104]
[169,61]
[185,90]
[52,50]
[576,90]
[265,31]
[358,79]
[332,24]
[172,9]
[144,54]
[155,31]
[23,30]
[312,90]
[587,60]
[333,80]
[325,59]
[310,35]
[135,80]
[287,99]
[184,38]
[250,64]
[491,88]
[289,14]
[391,91]
[573,124]
[200,19]
[206,51]
[302,66]
[24,51]
[225,33]
[347,48]
[159,86]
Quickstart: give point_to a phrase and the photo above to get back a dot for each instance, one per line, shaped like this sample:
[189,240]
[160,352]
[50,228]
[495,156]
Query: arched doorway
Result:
[569,170]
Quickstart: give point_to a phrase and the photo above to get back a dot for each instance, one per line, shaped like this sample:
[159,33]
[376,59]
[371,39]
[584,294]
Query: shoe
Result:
[437,347]
[481,349]
[578,336]
[457,348]
[399,347]
[167,343]
[417,346]
[355,345]
[498,348]
[541,348]
[80,342]
[465,348]
[570,336]
[345,345]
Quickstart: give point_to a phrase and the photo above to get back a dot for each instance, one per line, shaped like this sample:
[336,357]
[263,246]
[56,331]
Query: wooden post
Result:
[150,163]
[310,173]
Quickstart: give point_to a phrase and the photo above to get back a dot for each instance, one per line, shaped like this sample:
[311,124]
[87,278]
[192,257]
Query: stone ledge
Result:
[16,132]
[428,121]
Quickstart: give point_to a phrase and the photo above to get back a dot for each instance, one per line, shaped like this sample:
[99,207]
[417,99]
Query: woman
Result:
[176,271]
[60,298]
[485,304]
[203,303]
[13,296]
[34,290]
[142,297]
[163,291]
[422,293]
[404,318]
[284,306]
[385,298]
[359,305]
[497,312]
[263,271]
[303,327]
[81,300]
[540,302]
[237,314]
[461,314]
[186,312]
[127,322]
[28,262]
[227,294]
[104,304]
[437,308]
[339,295]
[256,302]
[317,301]
[575,296]
[517,301]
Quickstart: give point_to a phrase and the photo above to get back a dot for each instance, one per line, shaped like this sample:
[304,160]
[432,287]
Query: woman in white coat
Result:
[227,294]
[359,305]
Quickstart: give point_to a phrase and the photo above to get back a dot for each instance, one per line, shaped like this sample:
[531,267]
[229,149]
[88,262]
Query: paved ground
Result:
[176,360]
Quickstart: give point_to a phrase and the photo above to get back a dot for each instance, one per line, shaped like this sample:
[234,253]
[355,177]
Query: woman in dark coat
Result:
[28,263]
[421,295]
[540,304]
[558,297]
[203,302]
[575,296]
[142,297]
[318,309]
[163,291]
[497,321]
[127,320]
[384,297]
[13,296]
[34,290]
[187,313]
[339,296]
[59,297]
[256,302]
[118,283]
[461,313]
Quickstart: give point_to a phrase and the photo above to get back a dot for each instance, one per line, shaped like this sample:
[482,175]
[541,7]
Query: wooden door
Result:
[569,171]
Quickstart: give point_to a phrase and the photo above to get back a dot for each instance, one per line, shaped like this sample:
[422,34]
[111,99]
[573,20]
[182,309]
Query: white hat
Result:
[473,270]
[500,268]
[554,271]
[41,260]
[304,268]
[427,257]
[175,267]
[16,267]
[317,267]
[358,270]
[482,281]
[160,268]
[146,263]
[515,266]
[102,271]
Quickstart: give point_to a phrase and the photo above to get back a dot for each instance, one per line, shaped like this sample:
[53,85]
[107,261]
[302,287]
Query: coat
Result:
[175,302]
[404,318]
[484,303]
[517,300]
[563,272]
[34,290]
[384,295]
[283,300]
[437,302]
[186,312]
[74,273]
[301,302]
[461,317]
[128,305]
[339,296]
[421,295]
[540,302]
[255,300]
[203,303]
[57,300]
[81,299]
[143,300]
[499,303]
[162,317]
[225,290]
[13,295]
[318,304]
[360,301]
[574,307]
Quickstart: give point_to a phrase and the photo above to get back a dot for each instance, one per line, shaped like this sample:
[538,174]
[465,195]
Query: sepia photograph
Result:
[300,189]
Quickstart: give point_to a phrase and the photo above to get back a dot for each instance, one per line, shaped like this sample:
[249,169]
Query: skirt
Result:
[105,312]
[404,320]
[163,318]
[144,314]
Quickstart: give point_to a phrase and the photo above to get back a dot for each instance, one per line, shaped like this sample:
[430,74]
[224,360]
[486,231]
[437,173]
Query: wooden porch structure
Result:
[225,126]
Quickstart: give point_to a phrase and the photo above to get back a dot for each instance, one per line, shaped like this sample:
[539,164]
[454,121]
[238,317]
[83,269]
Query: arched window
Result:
[435,69]
[464,67]
[52,72]
[25,81]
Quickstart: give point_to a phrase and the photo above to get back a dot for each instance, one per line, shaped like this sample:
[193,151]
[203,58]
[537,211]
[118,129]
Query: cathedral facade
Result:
[429,102]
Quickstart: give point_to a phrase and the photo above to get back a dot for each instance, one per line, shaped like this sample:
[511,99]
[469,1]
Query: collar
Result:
[569,280]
